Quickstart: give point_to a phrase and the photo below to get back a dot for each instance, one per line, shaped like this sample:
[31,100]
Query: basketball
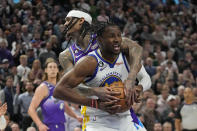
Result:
[119,87]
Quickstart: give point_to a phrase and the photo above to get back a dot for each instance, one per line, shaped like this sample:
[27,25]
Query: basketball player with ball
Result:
[104,67]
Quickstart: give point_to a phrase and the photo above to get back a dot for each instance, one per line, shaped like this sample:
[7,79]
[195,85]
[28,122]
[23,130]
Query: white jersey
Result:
[105,74]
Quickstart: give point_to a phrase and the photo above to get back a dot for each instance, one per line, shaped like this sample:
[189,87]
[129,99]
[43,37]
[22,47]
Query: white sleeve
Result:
[2,122]
[144,79]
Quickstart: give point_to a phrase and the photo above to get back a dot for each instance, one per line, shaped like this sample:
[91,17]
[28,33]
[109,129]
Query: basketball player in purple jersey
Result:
[78,26]
[52,108]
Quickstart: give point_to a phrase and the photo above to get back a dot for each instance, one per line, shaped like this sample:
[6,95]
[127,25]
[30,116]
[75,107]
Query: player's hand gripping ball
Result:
[119,87]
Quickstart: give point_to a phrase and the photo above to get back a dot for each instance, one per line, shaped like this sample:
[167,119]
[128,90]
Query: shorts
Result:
[112,123]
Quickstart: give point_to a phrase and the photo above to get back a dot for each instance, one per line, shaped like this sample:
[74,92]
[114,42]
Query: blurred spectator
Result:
[56,47]
[47,53]
[22,69]
[130,27]
[7,95]
[31,129]
[157,126]
[172,85]
[36,71]
[4,67]
[15,127]
[159,55]
[169,113]
[145,35]
[167,126]
[30,57]
[151,70]
[17,51]
[93,9]
[11,36]
[158,33]
[188,77]
[160,75]
[162,99]
[170,55]
[22,102]
[102,16]
[5,53]
[65,44]
[83,5]
[180,92]
[26,36]
[150,115]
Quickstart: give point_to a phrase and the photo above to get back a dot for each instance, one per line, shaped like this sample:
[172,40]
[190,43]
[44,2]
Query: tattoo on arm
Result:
[66,60]
[84,90]
[134,53]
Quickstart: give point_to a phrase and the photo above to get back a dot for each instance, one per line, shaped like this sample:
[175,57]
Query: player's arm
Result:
[64,88]
[40,93]
[144,83]
[66,60]
[144,79]
[133,52]
[71,113]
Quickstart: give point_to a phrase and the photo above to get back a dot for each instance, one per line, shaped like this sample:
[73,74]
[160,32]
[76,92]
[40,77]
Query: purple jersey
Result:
[52,108]
[78,53]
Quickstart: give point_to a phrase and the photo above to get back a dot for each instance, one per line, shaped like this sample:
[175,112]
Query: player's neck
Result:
[83,42]
[52,80]
[108,56]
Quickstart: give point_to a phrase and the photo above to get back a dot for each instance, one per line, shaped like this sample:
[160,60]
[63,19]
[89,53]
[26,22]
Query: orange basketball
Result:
[119,87]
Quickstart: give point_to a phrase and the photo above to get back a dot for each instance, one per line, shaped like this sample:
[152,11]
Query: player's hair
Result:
[45,76]
[86,27]
[99,27]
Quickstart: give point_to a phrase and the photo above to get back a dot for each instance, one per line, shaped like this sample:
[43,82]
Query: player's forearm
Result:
[85,90]
[63,92]
[69,111]
[135,53]
[33,114]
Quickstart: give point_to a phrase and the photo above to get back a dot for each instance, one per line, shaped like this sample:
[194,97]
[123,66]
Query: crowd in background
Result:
[32,31]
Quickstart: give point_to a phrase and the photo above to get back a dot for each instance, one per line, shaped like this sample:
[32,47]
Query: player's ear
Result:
[81,20]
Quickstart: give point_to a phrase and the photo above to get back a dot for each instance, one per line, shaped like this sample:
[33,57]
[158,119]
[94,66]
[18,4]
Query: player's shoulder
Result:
[66,54]
[88,59]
